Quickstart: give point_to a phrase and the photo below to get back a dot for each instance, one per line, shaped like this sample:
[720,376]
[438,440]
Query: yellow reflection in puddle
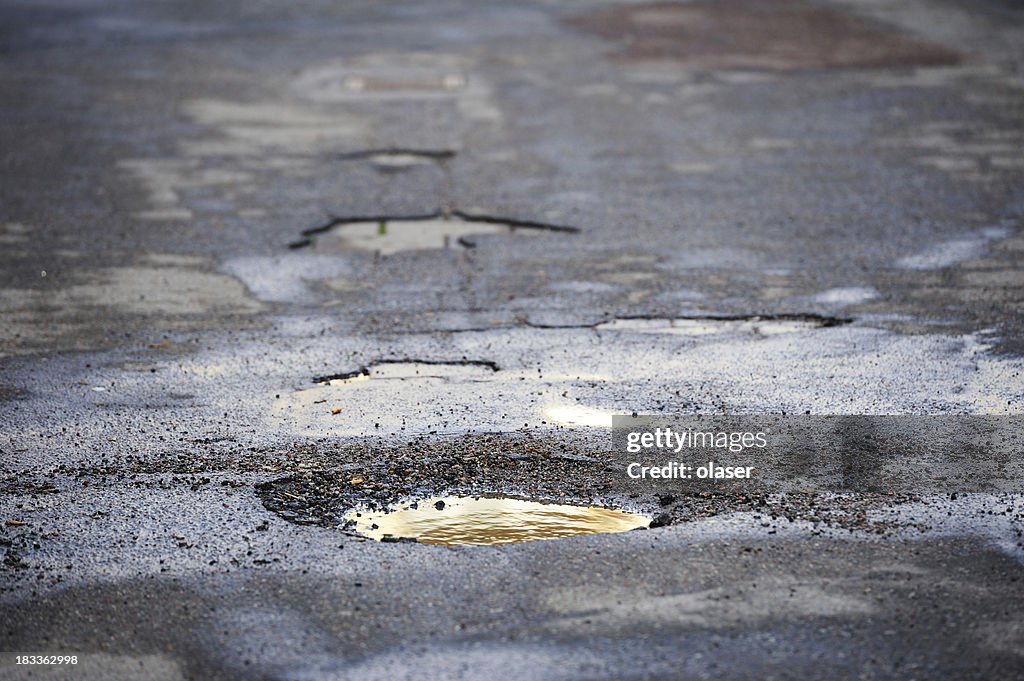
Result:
[468,520]
[394,236]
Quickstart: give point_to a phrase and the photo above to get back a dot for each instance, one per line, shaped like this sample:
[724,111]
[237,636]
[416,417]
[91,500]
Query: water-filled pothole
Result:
[387,235]
[394,236]
[489,520]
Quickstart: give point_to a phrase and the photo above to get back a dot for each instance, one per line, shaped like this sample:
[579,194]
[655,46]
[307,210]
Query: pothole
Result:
[454,520]
[324,482]
[387,235]
[707,326]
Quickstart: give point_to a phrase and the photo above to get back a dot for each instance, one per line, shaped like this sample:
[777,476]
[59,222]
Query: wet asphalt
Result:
[217,334]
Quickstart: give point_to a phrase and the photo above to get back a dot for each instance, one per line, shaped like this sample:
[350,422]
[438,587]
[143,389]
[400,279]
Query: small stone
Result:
[661,520]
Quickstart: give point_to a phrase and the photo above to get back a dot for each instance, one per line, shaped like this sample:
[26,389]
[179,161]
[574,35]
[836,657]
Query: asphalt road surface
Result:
[262,262]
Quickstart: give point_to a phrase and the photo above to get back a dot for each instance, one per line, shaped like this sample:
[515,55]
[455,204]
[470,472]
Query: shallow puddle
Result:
[394,236]
[483,520]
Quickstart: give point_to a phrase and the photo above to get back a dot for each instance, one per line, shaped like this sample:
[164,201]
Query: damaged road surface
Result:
[315,318]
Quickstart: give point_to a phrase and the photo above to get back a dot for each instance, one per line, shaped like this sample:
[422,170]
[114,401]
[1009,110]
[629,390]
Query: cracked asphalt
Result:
[252,252]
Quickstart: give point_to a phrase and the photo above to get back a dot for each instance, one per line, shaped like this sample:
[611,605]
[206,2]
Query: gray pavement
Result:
[717,208]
